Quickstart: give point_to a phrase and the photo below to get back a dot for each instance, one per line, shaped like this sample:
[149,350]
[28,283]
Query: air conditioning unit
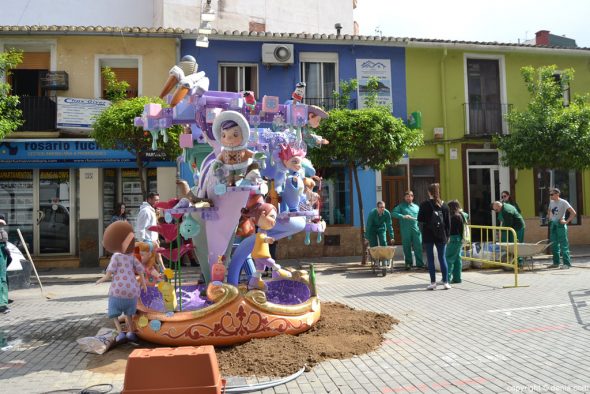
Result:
[277,54]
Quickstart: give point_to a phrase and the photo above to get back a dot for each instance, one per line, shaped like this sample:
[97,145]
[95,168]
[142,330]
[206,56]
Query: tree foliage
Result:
[10,114]
[548,134]
[115,90]
[370,137]
[114,129]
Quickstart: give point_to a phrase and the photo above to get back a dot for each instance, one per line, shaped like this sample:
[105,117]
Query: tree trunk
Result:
[142,181]
[361,210]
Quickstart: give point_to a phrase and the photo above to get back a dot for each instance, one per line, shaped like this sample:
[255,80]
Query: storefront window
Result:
[152,180]
[131,192]
[568,183]
[336,196]
[16,204]
[109,195]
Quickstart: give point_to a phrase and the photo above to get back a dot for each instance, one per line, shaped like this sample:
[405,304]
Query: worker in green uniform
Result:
[407,213]
[378,224]
[509,216]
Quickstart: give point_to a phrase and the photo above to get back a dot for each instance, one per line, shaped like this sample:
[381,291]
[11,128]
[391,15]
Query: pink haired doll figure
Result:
[291,159]
[265,217]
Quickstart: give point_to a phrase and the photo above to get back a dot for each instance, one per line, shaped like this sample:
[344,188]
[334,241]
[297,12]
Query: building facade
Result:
[458,92]
[308,16]
[56,185]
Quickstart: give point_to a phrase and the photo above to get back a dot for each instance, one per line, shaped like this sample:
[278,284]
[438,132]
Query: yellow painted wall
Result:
[76,55]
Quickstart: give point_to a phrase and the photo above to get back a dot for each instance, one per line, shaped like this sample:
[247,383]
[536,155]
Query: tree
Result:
[114,129]
[548,134]
[370,137]
[115,90]
[10,114]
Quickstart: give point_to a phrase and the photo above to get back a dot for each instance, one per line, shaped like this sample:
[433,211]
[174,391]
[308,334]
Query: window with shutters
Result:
[125,68]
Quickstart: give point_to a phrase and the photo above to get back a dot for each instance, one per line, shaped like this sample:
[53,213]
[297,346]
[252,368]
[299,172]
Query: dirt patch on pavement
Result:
[341,332]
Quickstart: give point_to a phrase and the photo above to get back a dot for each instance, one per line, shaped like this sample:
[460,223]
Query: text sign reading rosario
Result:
[379,68]
[67,153]
[78,113]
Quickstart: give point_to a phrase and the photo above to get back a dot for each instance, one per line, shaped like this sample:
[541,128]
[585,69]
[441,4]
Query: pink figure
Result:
[291,159]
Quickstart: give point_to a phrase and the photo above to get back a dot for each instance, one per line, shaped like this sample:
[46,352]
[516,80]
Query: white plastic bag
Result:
[100,343]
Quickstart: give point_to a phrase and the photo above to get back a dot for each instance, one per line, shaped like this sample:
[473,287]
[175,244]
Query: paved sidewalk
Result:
[475,338]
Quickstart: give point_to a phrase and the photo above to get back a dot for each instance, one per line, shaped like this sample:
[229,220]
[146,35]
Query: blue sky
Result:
[472,20]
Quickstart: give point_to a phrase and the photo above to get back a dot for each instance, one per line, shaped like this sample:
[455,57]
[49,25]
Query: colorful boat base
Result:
[222,314]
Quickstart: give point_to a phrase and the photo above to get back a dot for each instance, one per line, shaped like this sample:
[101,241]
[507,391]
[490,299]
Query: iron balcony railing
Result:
[483,119]
[39,113]
[327,103]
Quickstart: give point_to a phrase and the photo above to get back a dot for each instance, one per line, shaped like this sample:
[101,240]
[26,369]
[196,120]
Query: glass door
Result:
[53,214]
[484,189]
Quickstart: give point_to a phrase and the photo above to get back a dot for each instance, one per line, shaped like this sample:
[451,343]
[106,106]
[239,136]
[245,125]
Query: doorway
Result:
[394,181]
[483,180]
[54,221]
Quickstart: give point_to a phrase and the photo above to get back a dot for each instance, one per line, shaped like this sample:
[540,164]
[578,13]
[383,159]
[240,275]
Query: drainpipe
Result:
[443,88]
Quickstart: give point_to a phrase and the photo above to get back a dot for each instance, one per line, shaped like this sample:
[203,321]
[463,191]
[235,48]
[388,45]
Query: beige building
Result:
[56,185]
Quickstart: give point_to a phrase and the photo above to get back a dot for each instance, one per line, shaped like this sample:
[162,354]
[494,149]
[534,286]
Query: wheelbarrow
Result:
[381,258]
[527,250]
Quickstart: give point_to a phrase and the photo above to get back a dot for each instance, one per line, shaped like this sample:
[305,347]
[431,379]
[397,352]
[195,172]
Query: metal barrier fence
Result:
[497,246]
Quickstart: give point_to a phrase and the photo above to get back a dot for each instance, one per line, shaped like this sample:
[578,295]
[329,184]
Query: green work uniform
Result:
[377,225]
[411,235]
[510,217]
[454,248]
[560,242]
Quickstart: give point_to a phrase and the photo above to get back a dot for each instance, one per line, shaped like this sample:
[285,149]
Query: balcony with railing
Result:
[327,103]
[38,112]
[485,119]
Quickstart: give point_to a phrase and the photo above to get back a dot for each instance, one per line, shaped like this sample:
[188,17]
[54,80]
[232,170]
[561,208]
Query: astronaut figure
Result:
[232,131]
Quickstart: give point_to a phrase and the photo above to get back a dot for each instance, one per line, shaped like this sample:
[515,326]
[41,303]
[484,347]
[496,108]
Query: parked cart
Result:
[382,258]
[527,250]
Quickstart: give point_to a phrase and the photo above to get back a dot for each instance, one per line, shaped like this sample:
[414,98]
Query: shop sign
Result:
[78,113]
[66,153]
[380,69]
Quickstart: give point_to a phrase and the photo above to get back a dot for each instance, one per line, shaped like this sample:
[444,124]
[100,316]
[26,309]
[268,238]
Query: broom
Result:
[20,235]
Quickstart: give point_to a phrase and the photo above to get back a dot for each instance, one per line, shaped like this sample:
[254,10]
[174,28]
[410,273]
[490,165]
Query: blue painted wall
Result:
[280,80]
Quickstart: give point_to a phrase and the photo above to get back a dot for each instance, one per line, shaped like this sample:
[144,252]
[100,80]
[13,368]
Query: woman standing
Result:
[119,213]
[436,226]
[453,254]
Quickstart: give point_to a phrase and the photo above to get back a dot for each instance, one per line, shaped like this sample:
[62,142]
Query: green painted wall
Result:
[436,87]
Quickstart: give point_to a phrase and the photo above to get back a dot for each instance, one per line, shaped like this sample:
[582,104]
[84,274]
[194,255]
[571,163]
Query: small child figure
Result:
[146,254]
[124,291]
[265,217]
[314,116]
[298,93]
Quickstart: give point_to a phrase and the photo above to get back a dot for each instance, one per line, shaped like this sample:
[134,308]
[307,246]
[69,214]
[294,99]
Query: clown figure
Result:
[231,130]
[265,216]
[291,159]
